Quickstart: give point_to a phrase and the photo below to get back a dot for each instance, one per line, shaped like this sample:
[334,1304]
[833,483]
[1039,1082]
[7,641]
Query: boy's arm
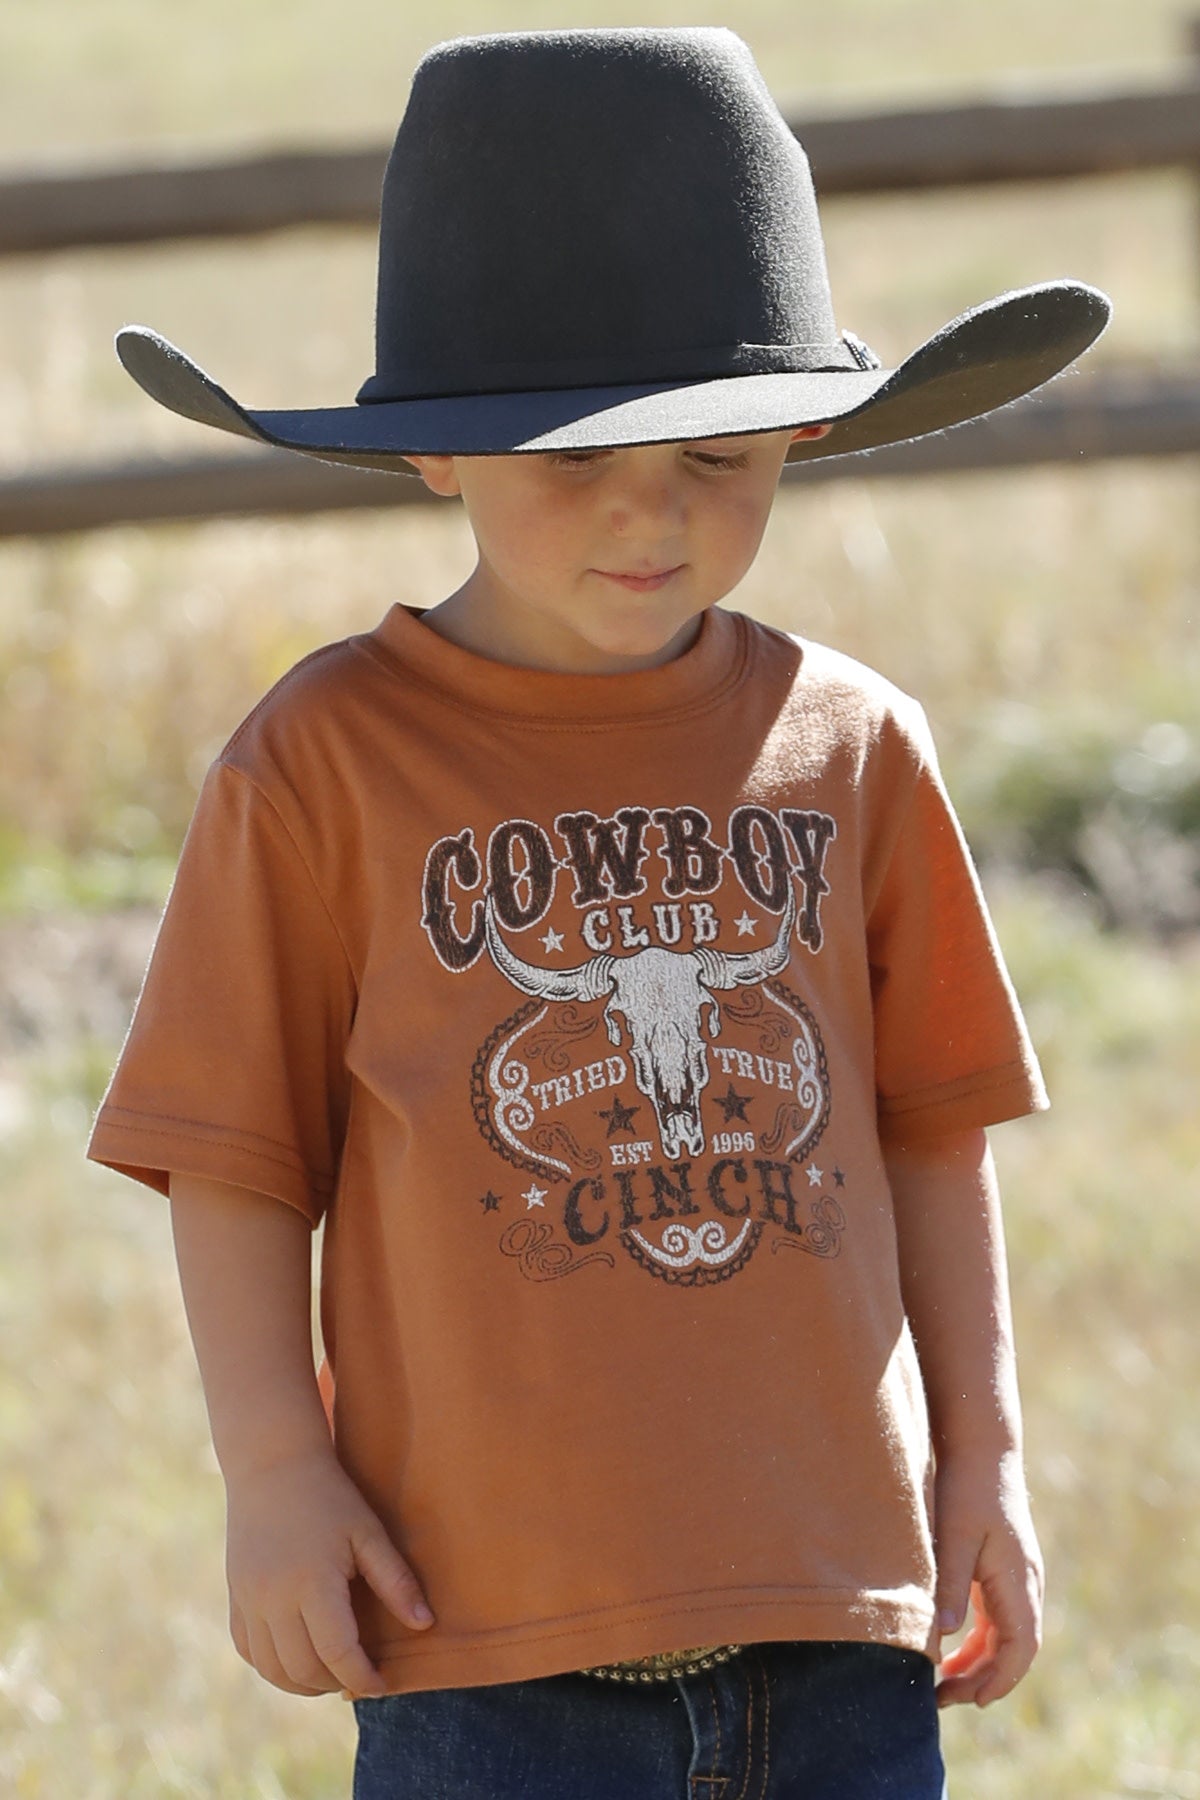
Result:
[955,1287]
[298,1529]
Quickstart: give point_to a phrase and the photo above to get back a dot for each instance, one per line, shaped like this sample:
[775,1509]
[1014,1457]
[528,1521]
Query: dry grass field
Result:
[1047,619]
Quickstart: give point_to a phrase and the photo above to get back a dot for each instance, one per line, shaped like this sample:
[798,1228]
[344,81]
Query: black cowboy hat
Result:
[601,238]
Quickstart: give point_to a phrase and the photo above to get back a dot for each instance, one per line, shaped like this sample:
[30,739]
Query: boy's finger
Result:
[1000,1679]
[960,1690]
[301,1661]
[330,1624]
[988,1680]
[1000,1647]
[976,1649]
[1009,1596]
[238,1632]
[962,1671]
[1016,1645]
[265,1659]
[382,1565]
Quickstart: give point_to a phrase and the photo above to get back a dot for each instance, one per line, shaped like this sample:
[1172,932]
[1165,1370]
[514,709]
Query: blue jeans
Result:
[835,1721]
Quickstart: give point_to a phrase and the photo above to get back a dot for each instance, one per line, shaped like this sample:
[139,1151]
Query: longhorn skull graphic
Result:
[662,995]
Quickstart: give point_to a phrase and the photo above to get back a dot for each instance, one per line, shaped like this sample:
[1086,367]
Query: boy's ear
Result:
[437,472]
[811,431]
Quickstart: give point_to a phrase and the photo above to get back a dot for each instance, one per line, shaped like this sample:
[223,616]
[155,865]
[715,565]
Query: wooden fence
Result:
[1015,133]
[1122,415]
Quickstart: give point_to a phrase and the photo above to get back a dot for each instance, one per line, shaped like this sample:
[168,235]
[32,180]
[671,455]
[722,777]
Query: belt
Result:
[664,1664]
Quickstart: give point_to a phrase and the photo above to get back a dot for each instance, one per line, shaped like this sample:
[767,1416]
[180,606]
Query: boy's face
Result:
[594,562]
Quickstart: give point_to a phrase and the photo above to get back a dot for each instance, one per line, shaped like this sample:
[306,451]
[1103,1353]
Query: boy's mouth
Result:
[641,584]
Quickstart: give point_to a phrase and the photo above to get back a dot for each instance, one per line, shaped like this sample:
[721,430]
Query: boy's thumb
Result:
[383,1567]
[956,1571]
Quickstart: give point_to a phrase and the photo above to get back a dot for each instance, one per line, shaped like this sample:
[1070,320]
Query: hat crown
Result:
[596,207]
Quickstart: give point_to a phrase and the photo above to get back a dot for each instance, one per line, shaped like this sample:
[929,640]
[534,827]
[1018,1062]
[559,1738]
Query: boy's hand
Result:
[986,1549]
[297,1531]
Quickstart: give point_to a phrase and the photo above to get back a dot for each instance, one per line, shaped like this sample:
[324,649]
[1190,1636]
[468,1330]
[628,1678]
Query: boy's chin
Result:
[643,643]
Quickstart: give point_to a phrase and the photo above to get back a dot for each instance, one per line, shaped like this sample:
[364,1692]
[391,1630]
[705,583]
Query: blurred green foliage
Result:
[1114,812]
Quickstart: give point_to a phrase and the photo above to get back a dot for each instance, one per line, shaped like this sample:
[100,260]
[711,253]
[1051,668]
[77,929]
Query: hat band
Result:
[608,371]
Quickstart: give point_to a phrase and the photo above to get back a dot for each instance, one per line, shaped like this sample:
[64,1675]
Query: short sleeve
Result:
[951,1048]
[234,1065]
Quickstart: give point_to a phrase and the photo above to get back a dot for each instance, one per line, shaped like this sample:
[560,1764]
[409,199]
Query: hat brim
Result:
[983,359]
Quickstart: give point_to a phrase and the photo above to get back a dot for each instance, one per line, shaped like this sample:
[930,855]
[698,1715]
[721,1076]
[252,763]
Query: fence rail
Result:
[1012,134]
[1117,415]
[1016,131]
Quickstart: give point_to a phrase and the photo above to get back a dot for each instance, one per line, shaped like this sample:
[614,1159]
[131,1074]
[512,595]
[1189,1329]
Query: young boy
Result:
[609,975]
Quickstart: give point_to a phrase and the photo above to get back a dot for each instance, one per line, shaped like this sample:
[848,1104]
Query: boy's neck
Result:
[506,634]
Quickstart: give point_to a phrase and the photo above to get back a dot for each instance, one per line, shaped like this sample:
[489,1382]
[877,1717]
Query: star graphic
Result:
[552,939]
[839,1178]
[746,925]
[815,1176]
[490,1202]
[733,1104]
[534,1196]
[620,1117]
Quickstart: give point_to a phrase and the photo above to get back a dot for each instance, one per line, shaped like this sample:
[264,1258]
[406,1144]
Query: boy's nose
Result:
[649,503]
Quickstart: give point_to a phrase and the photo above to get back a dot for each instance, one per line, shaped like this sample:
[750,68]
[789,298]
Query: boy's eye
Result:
[711,460]
[708,459]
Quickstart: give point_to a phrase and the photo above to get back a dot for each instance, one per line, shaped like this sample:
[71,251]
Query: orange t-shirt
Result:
[576,1005]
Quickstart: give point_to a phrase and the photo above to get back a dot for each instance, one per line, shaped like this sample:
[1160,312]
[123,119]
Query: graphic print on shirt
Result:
[664,1094]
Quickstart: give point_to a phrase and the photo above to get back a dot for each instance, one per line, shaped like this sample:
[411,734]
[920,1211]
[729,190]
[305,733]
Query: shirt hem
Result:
[988,1098]
[568,1645]
[149,1149]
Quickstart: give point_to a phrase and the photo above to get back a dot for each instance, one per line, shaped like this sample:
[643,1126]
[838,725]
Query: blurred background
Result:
[1045,615]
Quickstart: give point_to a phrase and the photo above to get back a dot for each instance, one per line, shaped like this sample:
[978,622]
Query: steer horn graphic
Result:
[662,996]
